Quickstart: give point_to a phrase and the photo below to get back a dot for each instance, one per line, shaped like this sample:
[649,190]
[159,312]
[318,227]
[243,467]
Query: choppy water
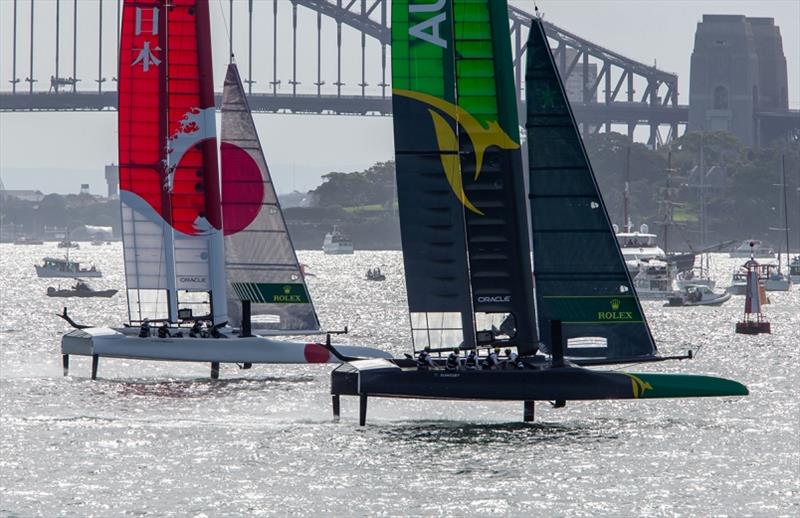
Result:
[160,439]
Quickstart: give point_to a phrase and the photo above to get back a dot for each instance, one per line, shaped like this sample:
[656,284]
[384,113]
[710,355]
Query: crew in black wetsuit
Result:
[471,363]
[163,331]
[424,360]
[453,361]
[144,330]
[197,330]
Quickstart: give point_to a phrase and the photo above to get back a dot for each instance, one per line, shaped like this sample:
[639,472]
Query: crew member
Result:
[144,329]
[471,363]
[163,330]
[453,361]
[197,329]
[492,361]
[424,360]
[511,359]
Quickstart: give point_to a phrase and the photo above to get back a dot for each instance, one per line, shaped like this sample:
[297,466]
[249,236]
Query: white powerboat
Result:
[336,243]
[655,280]
[638,246]
[794,270]
[55,267]
[753,248]
[697,295]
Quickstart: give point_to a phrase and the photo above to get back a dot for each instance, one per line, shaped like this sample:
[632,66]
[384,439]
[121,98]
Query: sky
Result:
[56,152]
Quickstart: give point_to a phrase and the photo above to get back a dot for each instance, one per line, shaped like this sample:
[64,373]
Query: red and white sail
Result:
[261,264]
[169,177]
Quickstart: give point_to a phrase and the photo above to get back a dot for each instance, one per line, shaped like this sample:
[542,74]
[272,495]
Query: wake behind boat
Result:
[198,250]
[464,227]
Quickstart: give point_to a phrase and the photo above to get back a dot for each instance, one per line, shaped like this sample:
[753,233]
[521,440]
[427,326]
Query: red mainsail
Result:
[169,178]
[166,155]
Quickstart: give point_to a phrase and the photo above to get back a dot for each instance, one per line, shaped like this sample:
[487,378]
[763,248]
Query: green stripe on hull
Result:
[651,386]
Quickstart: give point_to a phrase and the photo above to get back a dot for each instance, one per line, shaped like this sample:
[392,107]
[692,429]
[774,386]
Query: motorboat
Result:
[753,248]
[794,270]
[81,289]
[375,274]
[336,243]
[697,295]
[697,276]
[24,240]
[638,246]
[66,243]
[655,280]
[768,276]
[694,277]
[57,267]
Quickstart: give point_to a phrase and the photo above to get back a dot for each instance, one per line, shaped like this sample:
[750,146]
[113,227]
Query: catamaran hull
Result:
[385,379]
[109,343]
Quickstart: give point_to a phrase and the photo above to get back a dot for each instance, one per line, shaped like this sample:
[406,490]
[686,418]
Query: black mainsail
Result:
[580,275]
[459,175]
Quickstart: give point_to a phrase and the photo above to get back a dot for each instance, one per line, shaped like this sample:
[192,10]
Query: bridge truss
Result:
[347,73]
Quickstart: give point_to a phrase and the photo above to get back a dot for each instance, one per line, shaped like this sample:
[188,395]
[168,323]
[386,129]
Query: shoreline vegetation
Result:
[741,186]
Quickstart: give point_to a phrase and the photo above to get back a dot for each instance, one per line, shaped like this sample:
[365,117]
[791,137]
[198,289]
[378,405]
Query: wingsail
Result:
[260,260]
[169,178]
[459,175]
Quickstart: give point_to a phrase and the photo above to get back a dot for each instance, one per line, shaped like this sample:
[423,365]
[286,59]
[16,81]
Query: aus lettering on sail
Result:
[146,23]
[428,29]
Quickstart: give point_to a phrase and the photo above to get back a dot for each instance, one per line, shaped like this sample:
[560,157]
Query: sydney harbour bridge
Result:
[342,44]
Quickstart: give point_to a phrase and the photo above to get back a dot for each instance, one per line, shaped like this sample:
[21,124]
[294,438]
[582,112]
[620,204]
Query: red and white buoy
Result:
[754,321]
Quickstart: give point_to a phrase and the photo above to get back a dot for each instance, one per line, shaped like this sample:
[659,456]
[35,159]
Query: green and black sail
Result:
[459,171]
[580,275]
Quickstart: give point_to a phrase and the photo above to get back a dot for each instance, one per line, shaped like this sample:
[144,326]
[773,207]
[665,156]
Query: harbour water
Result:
[161,439]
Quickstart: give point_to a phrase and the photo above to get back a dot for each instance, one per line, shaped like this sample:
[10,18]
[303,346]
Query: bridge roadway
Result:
[590,113]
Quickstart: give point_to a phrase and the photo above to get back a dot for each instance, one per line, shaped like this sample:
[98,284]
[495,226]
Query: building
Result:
[112,180]
[738,69]
[575,82]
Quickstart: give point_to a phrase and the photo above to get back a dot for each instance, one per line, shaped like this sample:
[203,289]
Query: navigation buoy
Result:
[754,321]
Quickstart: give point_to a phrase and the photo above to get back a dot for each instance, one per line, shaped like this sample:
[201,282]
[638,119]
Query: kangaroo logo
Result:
[482,137]
[638,385]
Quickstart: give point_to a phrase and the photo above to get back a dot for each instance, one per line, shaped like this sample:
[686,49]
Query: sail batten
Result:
[580,276]
[261,264]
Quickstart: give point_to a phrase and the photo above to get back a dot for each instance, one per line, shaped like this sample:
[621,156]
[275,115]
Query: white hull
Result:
[710,283]
[717,301]
[50,273]
[777,284]
[654,295]
[758,254]
[109,343]
[337,250]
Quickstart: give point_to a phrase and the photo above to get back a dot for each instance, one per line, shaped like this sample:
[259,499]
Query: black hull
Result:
[567,383]
[83,294]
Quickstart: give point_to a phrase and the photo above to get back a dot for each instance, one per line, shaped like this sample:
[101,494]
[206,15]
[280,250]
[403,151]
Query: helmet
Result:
[497,350]
[507,352]
[456,350]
